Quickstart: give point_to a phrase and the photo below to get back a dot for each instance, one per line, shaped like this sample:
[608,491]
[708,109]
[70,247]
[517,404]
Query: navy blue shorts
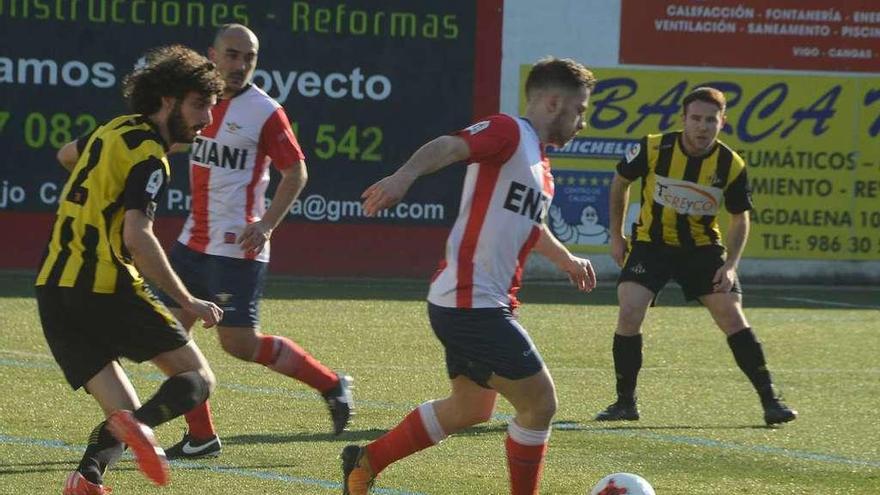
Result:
[234,284]
[480,342]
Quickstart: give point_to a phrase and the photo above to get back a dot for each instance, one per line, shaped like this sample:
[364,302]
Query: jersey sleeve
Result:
[279,142]
[82,141]
[493,140]
[738,194]
[635,164]
[144,186]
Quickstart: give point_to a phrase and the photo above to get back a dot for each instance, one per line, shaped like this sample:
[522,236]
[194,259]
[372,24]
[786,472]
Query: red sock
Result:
[284,356]
[418,430]
[525,462]
[201,427]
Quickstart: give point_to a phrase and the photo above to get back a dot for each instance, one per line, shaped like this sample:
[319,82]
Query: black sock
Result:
[102,451]
[627,363]
[750,358]
[178,395]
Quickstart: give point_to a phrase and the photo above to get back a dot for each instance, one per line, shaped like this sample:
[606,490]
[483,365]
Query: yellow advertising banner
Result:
[811,144]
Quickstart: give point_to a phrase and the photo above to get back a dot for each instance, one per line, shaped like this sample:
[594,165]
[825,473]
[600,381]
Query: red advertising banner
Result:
[766,34]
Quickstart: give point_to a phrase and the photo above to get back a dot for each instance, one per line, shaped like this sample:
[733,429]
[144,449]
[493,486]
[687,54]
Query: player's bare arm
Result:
[580,270]
[618,203]
[68,155]
[293,180]
[737,235]
[431,157]
[148,256]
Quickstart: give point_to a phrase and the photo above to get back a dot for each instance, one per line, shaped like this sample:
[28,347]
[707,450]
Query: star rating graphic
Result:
[582,180]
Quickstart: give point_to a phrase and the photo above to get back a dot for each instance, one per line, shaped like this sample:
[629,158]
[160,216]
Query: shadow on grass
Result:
[37,467]
[355,436]
[56,467]
[605,426]
[276,438]
[683,427]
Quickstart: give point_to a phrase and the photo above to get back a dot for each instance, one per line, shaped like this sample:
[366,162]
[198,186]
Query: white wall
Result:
[586,30]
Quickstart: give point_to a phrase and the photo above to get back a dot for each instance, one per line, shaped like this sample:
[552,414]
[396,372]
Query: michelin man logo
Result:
[588,231]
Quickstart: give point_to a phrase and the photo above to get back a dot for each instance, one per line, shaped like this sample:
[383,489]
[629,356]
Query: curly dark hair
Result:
[559,72]
[173,70]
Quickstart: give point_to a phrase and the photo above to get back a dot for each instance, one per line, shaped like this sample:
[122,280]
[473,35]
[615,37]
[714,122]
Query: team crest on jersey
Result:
[229,237]
[479,126]
[716,181]
[233,127]
[633,152]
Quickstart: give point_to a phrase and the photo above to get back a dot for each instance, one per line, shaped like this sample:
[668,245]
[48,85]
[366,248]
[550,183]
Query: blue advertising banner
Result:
[579,213]
[365,83]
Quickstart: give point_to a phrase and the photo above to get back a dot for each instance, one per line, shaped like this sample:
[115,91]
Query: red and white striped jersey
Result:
[229,171]
[507,190]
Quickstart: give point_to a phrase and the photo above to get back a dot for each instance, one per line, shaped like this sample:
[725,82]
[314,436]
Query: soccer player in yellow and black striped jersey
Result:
[93,303]
[686,176]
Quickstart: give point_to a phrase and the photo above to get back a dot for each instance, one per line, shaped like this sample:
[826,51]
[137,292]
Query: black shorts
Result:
[480,342]
[652,266]
[86,331]
[236,285]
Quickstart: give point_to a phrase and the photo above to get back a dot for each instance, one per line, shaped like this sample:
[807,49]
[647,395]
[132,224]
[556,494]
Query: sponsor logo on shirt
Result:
[479,126]
[687,198]
[527,201]
[209,152]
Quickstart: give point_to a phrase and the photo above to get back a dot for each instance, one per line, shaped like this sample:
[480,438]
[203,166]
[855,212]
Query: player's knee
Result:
[730,321]
[629,320]
[539,413]
[210,380]
[187,390]
[239,348]
[547,407]
[202,385]
[465,415]
[482,415]
[474,416]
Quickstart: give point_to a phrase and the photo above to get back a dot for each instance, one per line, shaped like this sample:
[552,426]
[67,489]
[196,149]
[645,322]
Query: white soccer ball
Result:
[622,484]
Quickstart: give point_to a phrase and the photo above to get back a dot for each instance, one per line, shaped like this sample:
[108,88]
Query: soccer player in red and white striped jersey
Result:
[222,253]
[507,190]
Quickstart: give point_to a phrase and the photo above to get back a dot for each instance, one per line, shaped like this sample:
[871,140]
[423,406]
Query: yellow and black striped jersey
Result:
[680,194]
[122,166]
